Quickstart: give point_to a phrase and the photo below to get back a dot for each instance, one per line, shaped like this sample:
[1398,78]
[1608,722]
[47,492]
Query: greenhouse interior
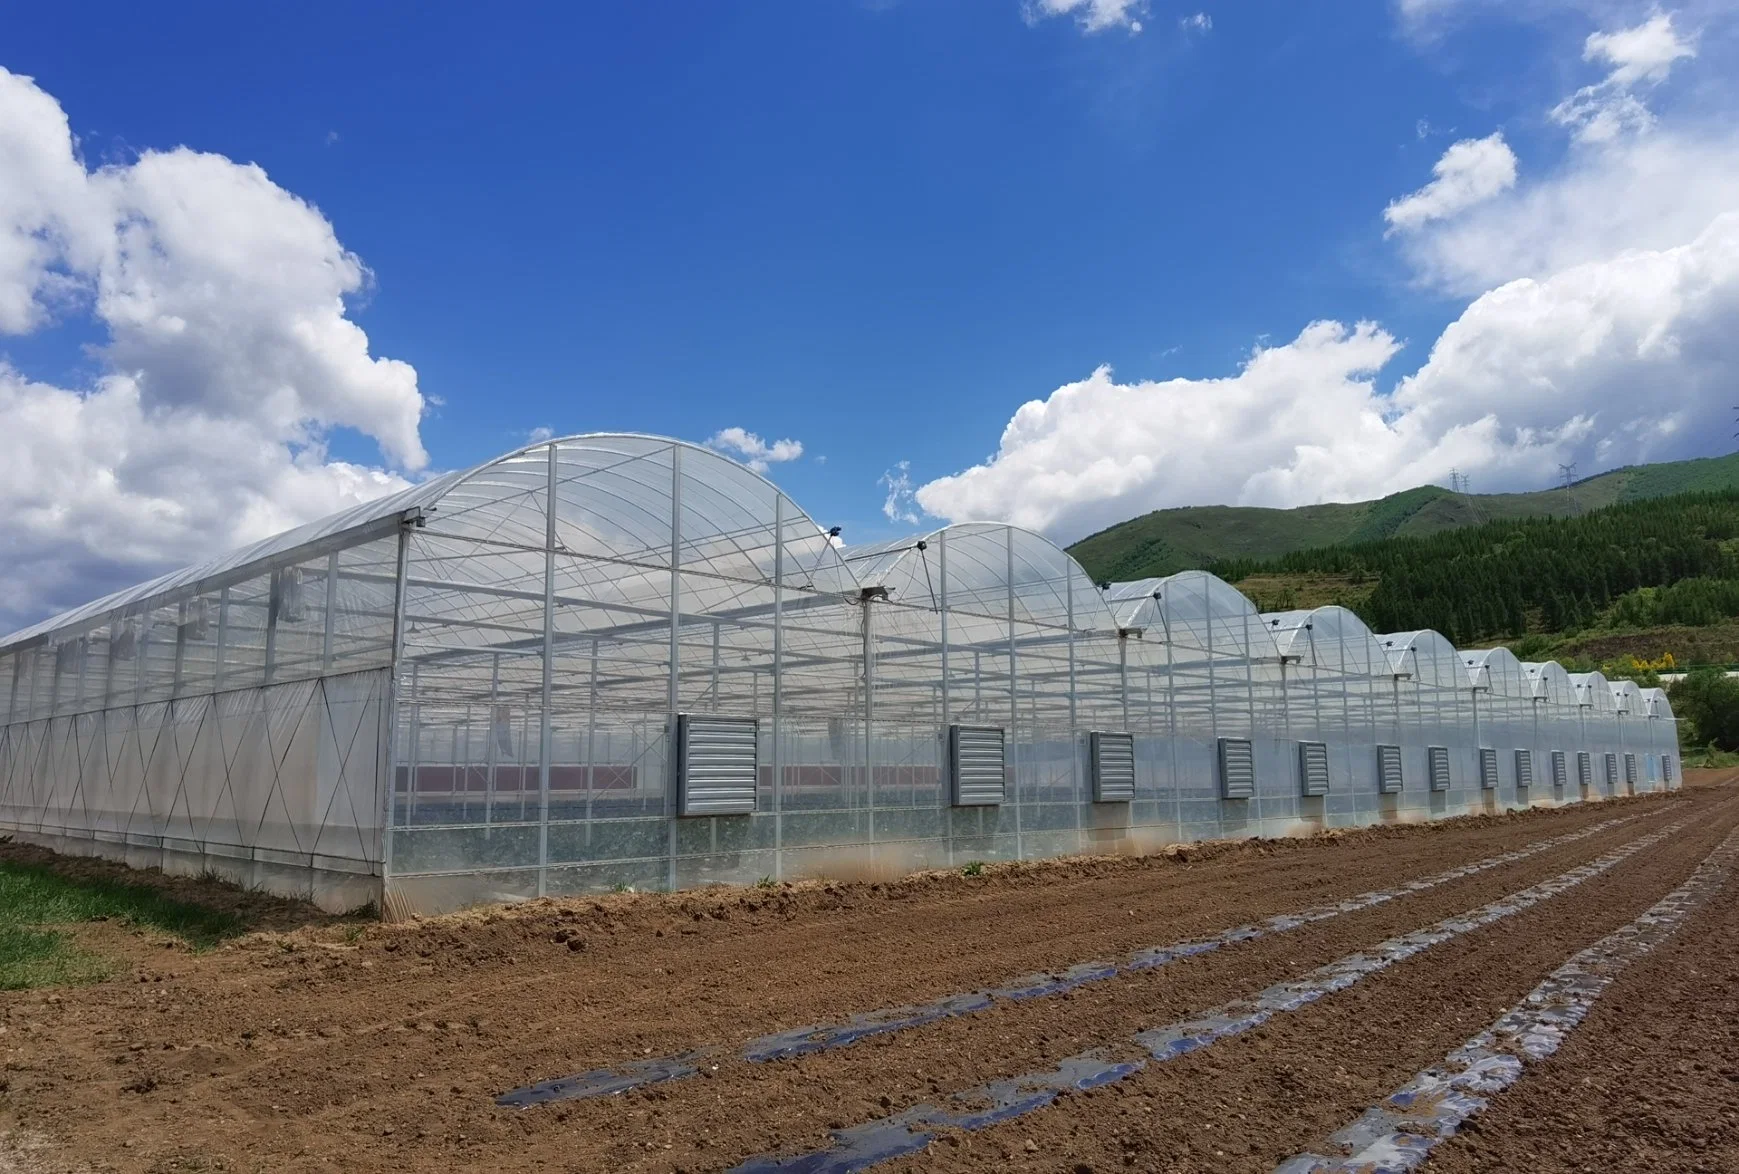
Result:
[623,661]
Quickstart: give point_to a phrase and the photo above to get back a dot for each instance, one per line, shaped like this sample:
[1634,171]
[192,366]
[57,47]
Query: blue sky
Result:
[879,228]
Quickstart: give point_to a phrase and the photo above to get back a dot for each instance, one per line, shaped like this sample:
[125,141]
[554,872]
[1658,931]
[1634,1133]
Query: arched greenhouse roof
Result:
[989,565]
[1331,638]
[1657,704]
[1594,692]
[1425,656]
[1193,609]
[1628,696]
[1551,683]
[613,493]
[1497,670]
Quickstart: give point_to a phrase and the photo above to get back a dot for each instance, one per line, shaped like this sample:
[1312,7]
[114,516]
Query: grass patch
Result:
[32,958]
[35,899]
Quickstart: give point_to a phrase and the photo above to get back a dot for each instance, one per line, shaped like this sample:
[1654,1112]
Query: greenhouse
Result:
[622,660]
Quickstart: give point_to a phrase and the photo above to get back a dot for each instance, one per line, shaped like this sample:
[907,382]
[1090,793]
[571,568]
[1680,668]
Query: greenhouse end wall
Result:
[468,692]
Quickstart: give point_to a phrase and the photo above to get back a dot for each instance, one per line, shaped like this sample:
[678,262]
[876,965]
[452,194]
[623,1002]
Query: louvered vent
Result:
[1611,771]
[1488,770]
[1524,769]
[1560,771]
[1666,768]
[1113,760]
[1630,769]
[716,764]
[1388,769]
[1437,767]
[977,766]
[1237,768]
[1584,769]
[1313,767]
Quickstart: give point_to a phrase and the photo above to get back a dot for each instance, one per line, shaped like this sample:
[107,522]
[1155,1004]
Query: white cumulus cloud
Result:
[1470,172]
[1607,363]
[752,450]
[1642,55]
[227,358]
[1093,16]
[1651,192]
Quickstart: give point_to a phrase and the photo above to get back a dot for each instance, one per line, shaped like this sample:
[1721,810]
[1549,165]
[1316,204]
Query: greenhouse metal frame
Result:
[623,660]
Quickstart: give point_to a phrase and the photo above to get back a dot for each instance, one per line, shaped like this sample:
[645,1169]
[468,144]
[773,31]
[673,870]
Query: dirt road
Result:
[323,1048]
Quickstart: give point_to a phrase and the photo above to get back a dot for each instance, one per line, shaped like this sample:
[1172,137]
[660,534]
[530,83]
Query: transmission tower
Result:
[1568,473]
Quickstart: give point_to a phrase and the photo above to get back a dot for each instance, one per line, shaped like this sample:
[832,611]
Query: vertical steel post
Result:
[1075,747]
[778,682]
[546,731]
[675,652]
[223,638]
[416,742]
[869,704]
[947,699]
[18,675]
[1013,697]
[491,753]
[942,573]
[108,671]
[84,658]
[175,679]
[591,738]
[274,604]
[142,657]
[715,672]
[465,803]
[1171,718]
[389,799]
[331,612]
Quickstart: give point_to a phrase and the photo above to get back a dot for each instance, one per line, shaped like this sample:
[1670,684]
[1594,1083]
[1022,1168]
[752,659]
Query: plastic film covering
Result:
[1340,690]
[1660,741]
[1602,724]
[477,689]
[1203,667]
[1505,715]
[1436,698]
[1558,722]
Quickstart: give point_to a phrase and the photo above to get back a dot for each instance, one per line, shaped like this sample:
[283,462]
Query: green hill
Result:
[1198,536]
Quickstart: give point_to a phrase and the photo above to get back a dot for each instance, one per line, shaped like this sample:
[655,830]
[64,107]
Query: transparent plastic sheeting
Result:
[464,692]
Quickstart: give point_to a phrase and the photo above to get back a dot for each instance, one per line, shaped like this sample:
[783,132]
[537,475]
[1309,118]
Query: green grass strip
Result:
[34,899]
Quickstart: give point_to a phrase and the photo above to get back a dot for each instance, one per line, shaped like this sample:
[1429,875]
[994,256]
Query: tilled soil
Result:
[334,1048]
[1649,1082]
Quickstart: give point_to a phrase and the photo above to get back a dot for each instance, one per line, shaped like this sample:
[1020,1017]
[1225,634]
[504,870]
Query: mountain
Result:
[1197,536]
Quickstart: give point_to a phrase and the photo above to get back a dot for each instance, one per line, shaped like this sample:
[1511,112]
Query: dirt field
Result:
[340,1046]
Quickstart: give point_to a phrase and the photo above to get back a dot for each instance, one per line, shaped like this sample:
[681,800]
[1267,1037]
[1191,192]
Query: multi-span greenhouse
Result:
[620,660]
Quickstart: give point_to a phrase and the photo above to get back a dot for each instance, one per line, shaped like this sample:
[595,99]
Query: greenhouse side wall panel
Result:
[275,787]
